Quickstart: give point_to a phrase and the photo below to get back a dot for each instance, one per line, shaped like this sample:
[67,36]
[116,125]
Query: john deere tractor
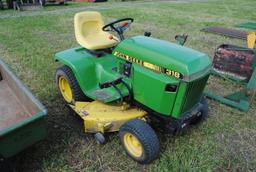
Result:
[131,85]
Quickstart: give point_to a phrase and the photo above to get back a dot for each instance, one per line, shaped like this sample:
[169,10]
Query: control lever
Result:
[111,37]
[181,39]
[110,83]
[147,34]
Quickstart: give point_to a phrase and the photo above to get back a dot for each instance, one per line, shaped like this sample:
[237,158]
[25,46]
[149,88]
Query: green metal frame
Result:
[240,99]
[247,25]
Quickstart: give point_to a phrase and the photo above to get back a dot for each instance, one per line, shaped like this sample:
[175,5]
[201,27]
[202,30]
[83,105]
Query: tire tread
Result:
[147,137]
[77,92]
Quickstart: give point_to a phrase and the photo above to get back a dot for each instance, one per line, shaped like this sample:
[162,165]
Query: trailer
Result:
[21,115]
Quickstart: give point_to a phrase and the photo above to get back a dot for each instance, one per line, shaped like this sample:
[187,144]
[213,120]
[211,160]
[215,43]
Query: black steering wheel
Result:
[118,26]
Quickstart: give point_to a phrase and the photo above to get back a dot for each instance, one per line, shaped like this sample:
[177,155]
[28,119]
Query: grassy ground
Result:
[226,142]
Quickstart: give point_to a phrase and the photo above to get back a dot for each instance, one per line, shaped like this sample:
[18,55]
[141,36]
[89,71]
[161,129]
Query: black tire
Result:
[204,112]
[100,139]
[147,138]
[77,93]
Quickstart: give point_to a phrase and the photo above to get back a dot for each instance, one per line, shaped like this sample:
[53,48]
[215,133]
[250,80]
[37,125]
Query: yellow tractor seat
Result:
[251,39]
[89,33]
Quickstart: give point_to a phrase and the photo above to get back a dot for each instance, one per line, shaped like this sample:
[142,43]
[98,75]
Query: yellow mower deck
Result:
[100,117]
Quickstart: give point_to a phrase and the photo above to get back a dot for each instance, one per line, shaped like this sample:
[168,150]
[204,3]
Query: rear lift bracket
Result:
[240,99]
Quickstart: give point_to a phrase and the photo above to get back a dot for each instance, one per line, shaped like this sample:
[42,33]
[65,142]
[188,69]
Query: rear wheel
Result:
[139,141]
[68,85]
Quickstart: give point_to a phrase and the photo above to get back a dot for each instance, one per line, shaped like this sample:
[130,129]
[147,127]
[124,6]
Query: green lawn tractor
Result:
[131,85]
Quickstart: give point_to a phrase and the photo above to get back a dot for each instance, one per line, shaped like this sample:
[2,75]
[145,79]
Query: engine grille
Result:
[193,93]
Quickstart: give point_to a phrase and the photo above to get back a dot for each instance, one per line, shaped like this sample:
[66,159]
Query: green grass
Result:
[226,142]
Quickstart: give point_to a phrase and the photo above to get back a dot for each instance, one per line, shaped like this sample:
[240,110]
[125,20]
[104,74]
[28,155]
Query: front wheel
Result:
[139,141]
[204,111]
[100,139]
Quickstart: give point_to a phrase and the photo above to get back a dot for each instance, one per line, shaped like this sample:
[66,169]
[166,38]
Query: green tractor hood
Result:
[190,63]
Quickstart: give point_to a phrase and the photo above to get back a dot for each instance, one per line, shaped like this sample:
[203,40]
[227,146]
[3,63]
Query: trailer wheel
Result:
[139,141]
[68,85]
[204,112]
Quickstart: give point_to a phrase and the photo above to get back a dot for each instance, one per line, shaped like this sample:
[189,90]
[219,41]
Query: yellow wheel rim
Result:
[65,89]
[132,145]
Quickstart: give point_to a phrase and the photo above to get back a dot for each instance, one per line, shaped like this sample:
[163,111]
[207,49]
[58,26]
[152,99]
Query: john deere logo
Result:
[148,65]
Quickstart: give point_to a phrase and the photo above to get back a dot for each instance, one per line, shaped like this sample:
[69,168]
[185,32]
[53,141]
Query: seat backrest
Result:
[251,39]
[87,23]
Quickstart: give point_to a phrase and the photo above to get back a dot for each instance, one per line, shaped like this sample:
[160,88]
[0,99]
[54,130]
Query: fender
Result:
[89,71]
[81,64]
